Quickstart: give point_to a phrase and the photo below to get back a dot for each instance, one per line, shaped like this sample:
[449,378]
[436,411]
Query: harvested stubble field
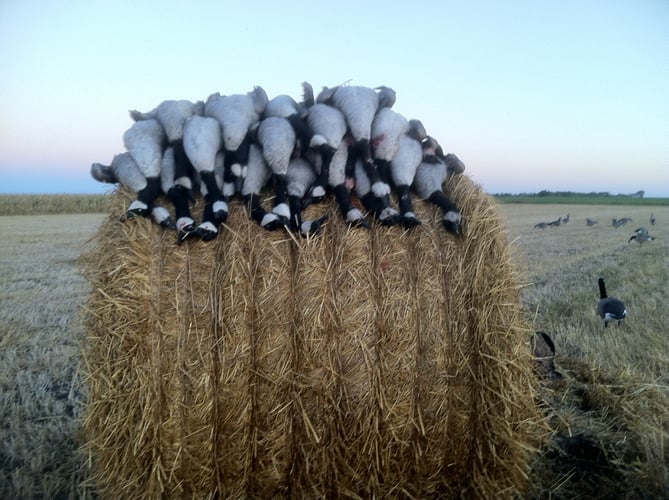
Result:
[608,414]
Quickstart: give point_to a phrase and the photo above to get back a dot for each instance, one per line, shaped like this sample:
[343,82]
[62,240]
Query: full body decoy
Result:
[609,308]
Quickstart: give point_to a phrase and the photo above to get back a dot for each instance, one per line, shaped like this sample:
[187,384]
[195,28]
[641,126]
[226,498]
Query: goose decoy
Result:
[641,236]
[609,308]
[543,351]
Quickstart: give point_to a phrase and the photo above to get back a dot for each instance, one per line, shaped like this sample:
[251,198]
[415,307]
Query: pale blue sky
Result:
[531,95]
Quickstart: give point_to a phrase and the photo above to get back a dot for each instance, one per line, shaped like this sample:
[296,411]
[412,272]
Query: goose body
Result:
[202,143]
[300,176]
[337,179]
[172,115]
[609,308]
[145,141]
[359,105]
[257,176]
[641,236]
[543,350]
[379,205]
[124,170]
[428,185]
[403,168]
[387,128]
[327,126]
[237,114]
[277,140]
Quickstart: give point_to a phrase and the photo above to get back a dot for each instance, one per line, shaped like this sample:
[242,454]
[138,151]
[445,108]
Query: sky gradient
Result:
[570,95]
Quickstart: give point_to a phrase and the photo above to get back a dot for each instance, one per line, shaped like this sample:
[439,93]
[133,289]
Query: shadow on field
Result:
[604,430]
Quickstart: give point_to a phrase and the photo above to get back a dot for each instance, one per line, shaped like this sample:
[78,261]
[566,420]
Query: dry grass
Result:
[42,204]
[358,363]
[610,413]
[41,391]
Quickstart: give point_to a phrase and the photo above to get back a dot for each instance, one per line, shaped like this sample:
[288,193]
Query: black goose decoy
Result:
[610,308]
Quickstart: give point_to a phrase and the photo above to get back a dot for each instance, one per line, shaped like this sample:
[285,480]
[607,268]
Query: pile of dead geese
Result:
[346,141]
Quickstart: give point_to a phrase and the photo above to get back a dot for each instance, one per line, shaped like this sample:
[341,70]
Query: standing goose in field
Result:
[609,308]
[641,236]
[590,222]
[652,219]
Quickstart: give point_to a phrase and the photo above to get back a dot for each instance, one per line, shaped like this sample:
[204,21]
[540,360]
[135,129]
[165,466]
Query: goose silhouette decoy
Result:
[609,308]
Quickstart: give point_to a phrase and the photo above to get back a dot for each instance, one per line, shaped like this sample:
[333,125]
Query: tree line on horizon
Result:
[592,194]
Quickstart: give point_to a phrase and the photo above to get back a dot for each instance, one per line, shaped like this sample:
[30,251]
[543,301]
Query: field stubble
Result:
[608,414]
[41,392]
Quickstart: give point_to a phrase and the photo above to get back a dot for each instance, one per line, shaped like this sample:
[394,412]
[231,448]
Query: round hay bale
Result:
[354,363]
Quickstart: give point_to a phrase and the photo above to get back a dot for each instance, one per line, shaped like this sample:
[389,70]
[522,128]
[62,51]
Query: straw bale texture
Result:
[352,364]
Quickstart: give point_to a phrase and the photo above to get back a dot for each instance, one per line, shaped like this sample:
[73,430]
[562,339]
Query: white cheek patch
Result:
[228,189]
[182,222]
[220,206]
[380,189]
[137,205]
[268,218]
[184,182]
[353,215]
[209,227]
[318,191]
[453,217]
[159,214]
[317,140]
[236,169]
[387,213]
[282,210]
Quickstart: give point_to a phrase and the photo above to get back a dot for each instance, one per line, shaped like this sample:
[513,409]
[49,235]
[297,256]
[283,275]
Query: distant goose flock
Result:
[346,141]
[641,234]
